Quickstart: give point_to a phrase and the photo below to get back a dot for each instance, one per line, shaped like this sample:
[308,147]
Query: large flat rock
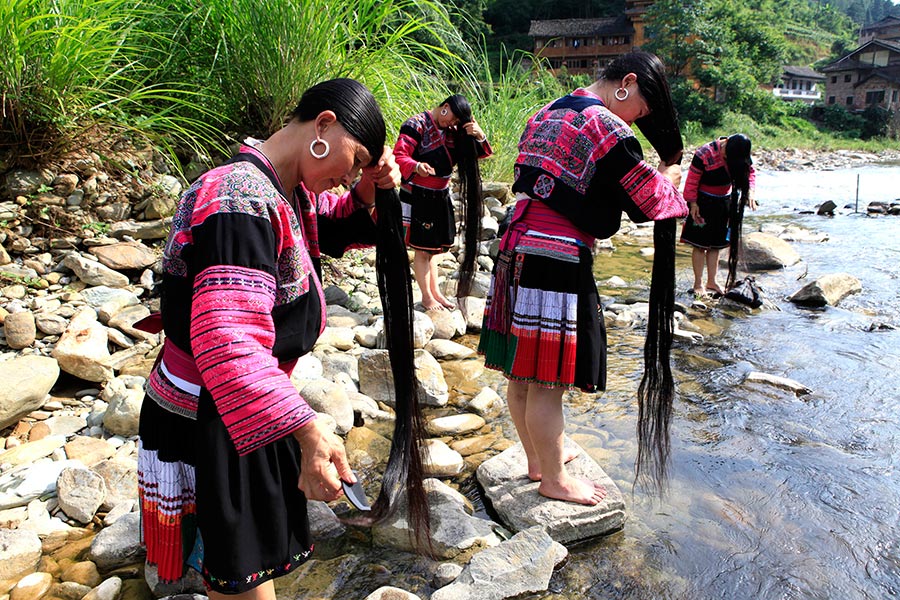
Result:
[517,502]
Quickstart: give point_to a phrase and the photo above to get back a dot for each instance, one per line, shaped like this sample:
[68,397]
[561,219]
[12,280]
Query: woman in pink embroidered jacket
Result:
[229,451]
[719,183]
[579,167]
[429,145]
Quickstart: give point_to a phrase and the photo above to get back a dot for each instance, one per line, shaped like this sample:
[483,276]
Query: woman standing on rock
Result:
[430,143]
[229,451]
[720,170]
[579,167]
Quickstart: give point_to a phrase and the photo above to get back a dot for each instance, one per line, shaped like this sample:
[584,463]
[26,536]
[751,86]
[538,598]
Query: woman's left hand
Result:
[475,130]
[385,173]
[751,202]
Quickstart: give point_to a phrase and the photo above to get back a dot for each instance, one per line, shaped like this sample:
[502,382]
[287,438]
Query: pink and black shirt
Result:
[709,173]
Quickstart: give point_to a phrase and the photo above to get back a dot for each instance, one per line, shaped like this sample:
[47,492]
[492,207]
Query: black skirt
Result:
[432,226]
[714,233]
[251,519]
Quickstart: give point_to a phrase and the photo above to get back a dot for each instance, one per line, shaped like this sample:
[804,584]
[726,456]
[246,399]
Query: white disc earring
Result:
[624,97]
[319,155]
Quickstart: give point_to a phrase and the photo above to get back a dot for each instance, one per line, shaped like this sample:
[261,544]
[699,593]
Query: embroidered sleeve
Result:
[244,237]
[232,335]
[410,136]
[692,183]
[752,177]
[653,194]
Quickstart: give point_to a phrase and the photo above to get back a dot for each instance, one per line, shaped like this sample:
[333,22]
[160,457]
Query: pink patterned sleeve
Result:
[652,193]
[751,177]
[232,335]
[337,206]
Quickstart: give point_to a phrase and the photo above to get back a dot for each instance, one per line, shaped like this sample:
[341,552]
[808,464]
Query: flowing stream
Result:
[771,495]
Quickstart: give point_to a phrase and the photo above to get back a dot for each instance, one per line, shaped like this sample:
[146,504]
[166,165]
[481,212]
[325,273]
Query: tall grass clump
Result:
[68,65]
[503,104]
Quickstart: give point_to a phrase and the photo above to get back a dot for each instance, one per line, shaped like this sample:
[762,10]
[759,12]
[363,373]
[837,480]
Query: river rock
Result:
[20,552]
[50,324]
[32,587]
[120,477]
[108,590]
[26,382]
[142,230]
[118,545]
[124,396]
[828,289]
[826,209]
[20,329]
[487,403]
[454,424]
[762,251]
[65,425]
[519,505]
[366,448]
[376,378]
[338,316]
[108,301]
[439,460]
[342,338]
[448,324]
[81,492]
[330,398]
[334,363]
[83,572]
[23,183]
[93,272]
[522,564]
[69,590]
[473,311]
[445,349]
[124,256]
[188,587]
[453,529]
[388,592]
[82,349]
[125,319]
[32,451]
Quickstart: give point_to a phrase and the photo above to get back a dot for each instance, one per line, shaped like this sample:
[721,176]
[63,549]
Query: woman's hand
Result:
[423,169]
[695,213]
[751,202]
[671,172]
[475,130]
[323,462]
[385,173]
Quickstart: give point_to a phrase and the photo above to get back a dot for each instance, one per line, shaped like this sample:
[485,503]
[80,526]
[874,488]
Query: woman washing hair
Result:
[719,184]
[229,451]
[430,144]
[579,167]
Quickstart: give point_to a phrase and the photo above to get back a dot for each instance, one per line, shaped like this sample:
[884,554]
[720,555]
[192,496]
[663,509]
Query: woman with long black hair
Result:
[429,145]
[229,451]
[579,168]
[719,185]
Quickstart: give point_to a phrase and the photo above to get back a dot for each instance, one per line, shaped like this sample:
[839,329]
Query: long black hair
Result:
[656,391]
[466,149]
[738,161]
[359,113]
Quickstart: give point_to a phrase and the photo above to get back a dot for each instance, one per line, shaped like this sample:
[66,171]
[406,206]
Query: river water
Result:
[771,495]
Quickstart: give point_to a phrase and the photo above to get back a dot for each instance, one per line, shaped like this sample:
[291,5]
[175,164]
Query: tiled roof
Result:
[802,72]
[585,27]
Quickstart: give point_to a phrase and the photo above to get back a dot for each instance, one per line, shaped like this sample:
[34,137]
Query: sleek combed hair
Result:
[737,158]
[359,113]
[469,191]
[656,391]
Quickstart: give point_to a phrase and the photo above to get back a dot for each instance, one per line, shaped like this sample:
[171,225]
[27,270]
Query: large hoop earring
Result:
[443,112]
[312,148]
[623,98]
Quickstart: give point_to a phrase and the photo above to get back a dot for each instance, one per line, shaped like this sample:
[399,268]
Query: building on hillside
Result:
[586,46]
[886,29]
[799,83]
[868,76]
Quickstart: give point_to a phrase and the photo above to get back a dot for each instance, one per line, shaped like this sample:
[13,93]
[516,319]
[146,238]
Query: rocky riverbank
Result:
[79,255]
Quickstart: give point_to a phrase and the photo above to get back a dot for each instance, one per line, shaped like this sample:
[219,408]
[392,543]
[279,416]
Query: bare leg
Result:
[422,271]
[516,399]
[544,420]
[712,269]
[698,258]
[264,591]
[435,288]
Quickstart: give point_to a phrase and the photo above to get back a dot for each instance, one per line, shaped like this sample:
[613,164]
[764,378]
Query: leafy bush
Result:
[693,105]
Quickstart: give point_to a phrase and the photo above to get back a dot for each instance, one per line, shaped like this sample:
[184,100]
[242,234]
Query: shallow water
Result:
[771,495]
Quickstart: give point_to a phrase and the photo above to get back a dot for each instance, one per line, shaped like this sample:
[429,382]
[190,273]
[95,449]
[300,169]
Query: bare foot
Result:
[445,302]
[698,291]
[714,288]
[433,305]
[580,491]
[569,454]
